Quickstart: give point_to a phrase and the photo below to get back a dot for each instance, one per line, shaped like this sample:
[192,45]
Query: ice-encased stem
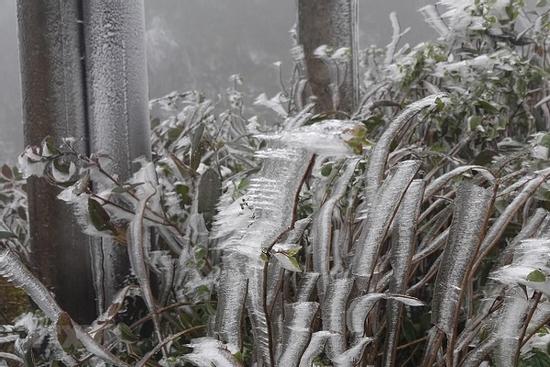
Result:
[137,242]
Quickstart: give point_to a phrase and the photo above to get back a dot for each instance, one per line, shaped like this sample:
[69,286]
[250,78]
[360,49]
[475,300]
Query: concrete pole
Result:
[116,78]
[54,104]
[332,23]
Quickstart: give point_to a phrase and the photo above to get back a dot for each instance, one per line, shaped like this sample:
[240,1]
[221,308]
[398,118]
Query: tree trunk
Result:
[332,23]
[116,76]
[53,104]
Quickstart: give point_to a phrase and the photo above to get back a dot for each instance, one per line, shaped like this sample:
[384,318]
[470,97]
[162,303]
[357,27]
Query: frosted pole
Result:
[332,23]
[116,77]
[53,105]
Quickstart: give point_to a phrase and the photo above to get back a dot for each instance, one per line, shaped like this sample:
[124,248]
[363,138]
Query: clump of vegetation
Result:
[416,233]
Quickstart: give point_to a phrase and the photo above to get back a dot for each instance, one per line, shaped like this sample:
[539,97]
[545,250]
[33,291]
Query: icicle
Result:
[472,206]
[379,217]
[403,246]
[297,332]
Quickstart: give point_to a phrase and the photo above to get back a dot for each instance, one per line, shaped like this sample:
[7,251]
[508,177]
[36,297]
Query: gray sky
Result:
[198,44]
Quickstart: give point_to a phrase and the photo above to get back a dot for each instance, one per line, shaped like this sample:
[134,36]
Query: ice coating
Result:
[333,314]
[208,352]
[314,348]
[328,137]
[231,298]
[471,209]
[297,331]
[322,226]
[380,215]
[379,155]
[403,247]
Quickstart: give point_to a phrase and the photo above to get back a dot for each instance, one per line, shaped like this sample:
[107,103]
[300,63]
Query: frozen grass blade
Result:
[322,227]
[472,205]
[333,314]
[297,331]
[314,348]
[379,155]
[471,211]
[380,216]
[403,246]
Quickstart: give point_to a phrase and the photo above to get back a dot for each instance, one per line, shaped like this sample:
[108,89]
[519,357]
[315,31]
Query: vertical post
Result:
[118,115]
[53,104]
[332,23]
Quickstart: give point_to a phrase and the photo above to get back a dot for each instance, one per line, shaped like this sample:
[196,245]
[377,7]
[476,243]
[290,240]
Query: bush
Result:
[416,233]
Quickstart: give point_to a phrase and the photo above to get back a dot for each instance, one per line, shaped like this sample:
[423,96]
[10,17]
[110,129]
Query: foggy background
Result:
[198,44]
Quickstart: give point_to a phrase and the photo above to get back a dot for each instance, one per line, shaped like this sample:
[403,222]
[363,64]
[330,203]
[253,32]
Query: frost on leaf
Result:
[380,152]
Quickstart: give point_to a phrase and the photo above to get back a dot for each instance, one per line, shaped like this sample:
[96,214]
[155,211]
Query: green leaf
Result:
[488,107]
[99,216]
[126,334]
[326,169]
[536,276]
[183,193]
[7,172]
[4,235]
[196,150]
